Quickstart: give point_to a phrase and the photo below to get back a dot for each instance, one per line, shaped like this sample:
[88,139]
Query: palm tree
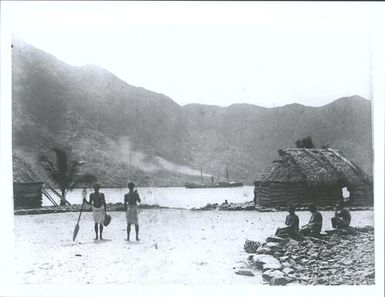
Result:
[64,173]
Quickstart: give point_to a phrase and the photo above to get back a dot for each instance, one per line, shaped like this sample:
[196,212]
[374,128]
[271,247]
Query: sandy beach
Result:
[178,247]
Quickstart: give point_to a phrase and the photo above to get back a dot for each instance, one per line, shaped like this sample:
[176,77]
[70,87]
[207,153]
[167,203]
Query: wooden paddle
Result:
[77,227]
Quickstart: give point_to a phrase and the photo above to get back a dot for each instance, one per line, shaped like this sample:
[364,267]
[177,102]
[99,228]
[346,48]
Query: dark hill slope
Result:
[99,117]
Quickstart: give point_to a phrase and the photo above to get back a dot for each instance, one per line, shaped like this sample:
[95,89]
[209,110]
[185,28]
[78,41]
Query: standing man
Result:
[130,200]
[98,210]
[313,228]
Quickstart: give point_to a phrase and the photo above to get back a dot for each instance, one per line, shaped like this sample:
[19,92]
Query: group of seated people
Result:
[340,220]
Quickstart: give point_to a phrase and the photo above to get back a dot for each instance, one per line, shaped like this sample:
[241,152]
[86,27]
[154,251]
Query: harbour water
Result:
[178,197]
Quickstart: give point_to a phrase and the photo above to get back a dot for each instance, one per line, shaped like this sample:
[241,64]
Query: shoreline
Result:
[245,184]
[76,208]
[247,206]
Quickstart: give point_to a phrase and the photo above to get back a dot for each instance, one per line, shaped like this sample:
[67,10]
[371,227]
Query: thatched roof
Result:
[22,171]
[313,167]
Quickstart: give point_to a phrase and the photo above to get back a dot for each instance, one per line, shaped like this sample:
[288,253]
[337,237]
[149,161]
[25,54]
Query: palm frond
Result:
[46,163]
[65,173]
[49,168]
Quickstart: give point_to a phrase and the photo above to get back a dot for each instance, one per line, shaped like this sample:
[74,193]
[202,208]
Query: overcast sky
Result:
[268,54]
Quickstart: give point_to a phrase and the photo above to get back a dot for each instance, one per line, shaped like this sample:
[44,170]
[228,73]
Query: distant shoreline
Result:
[76,208]
[141,187]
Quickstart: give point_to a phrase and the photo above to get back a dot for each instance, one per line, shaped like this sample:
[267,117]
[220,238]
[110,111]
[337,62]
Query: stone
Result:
[306,243]
[271,266]
[272,245]
[283,258]
[292,262]
[278,253]
[315,255]
[207,207]
[304,277]
[278,281]
[265,259]
[301,269]
[294,282]
[264,250]
[292,242]
[336,265]
[286,264]
[269,274]
[244,272]
[277,239]
[369,274]
[287,270]
[346,261]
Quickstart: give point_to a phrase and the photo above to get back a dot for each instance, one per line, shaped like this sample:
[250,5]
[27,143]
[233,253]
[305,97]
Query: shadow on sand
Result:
[101,241]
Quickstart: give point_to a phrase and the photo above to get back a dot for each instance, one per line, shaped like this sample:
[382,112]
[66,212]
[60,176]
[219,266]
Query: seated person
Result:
[292,223]
[342,216]
[313,228]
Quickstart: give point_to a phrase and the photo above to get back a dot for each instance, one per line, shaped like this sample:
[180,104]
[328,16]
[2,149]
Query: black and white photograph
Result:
[192,145]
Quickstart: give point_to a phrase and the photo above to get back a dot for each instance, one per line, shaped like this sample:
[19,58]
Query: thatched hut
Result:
[304,176]
[27,195]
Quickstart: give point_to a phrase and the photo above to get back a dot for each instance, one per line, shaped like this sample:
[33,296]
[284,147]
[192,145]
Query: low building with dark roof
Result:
[27,195]
[303,176]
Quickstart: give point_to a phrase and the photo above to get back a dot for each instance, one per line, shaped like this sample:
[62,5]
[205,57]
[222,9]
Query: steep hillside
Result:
[101,118]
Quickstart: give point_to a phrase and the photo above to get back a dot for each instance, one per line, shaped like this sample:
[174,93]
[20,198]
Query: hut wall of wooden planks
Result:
[27,195]
[280,194]
[361,195]
[304,176]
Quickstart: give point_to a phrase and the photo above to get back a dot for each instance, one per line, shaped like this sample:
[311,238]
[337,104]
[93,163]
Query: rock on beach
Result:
[244,272]
[337,257]
[263,259]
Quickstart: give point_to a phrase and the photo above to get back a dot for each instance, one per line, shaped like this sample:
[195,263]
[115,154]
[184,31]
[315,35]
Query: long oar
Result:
[77,227]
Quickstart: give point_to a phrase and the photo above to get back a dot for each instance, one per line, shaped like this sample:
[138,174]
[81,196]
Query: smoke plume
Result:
[147,163]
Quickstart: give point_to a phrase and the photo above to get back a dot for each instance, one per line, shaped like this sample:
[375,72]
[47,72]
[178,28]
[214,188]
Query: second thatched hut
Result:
[304,176]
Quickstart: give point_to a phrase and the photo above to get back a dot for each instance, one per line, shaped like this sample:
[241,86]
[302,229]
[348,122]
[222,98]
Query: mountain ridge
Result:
[100,118]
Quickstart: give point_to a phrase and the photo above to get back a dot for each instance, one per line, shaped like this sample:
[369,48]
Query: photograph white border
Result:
[8,287]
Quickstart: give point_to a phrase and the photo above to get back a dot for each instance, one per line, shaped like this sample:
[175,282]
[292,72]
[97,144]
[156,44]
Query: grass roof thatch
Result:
[314,167]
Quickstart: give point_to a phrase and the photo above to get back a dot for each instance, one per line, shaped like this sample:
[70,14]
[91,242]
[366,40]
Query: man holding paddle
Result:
[98,210]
